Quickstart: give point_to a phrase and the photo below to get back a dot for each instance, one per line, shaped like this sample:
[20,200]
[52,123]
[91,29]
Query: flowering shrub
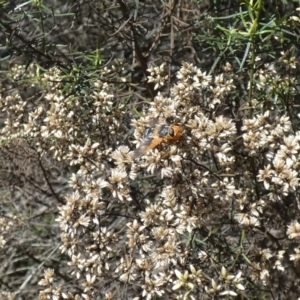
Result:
[188,218]
[210,214]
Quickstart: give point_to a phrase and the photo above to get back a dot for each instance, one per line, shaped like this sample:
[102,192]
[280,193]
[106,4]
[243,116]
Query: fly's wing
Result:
[154,122]
[148,144]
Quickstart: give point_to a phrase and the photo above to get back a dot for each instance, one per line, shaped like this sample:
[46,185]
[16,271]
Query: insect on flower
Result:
[157,134]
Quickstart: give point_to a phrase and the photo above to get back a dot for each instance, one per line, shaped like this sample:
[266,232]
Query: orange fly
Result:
[157,134]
